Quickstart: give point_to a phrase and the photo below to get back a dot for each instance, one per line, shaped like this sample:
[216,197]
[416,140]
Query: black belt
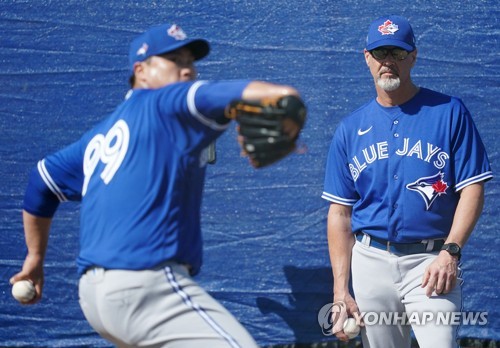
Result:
[402,248]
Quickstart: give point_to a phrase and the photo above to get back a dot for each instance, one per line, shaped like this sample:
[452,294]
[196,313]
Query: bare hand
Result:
[441,275]
[352,311]
[32,270]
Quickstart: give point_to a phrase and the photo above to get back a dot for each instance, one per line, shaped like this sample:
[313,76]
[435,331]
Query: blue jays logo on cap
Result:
[390,31]
[176,32]
[143,50]
[163,39]
[388,28]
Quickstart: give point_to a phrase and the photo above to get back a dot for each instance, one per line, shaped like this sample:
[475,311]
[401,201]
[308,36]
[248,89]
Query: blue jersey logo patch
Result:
[429,188]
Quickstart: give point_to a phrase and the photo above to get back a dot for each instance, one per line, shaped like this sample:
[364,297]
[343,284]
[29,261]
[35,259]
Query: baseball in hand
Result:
[23,291]
[351,328]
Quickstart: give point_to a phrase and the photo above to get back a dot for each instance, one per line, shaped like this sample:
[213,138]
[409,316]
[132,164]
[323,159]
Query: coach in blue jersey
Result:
[404,178]
[139,176]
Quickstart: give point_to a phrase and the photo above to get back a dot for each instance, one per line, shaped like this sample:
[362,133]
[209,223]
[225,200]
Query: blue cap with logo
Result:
[390,31]
[163,39]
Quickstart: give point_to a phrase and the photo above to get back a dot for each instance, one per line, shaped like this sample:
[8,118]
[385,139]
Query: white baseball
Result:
[23,291]
[351,328]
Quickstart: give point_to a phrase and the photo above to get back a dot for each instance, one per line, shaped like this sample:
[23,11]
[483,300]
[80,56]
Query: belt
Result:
[425,246]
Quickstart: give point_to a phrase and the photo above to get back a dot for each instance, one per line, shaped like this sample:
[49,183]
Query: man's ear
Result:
[414,57]
[139,74]
[367,56]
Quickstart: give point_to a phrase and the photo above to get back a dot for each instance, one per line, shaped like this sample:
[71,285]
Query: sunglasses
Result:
[396,53]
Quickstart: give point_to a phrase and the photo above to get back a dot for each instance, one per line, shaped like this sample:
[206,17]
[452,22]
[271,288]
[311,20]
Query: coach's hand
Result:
[352,311]
[441,275]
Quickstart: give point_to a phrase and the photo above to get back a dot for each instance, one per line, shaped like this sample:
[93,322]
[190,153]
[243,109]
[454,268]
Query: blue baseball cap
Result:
[163,39]
[390,31]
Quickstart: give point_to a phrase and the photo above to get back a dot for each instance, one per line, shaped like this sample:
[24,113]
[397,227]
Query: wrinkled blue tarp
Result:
[63,67]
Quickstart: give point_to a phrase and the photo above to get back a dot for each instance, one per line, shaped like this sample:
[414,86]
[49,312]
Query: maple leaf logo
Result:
[388,28]
[440,187]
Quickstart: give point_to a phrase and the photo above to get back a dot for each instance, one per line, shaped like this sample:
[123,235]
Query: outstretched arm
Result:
[257,90]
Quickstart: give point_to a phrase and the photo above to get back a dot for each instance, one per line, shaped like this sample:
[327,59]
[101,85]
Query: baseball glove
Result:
[269,128]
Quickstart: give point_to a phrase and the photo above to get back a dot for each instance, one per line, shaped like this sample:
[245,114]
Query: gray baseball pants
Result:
[387,283]
[162,307]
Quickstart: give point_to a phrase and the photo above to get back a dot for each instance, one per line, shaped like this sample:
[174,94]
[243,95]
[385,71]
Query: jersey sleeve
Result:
[56,178]
[339,184]
[209,100]
[39,199]
[471,164]
[203,103]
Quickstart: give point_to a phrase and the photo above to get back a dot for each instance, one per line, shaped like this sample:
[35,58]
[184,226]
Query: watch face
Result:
[453,248]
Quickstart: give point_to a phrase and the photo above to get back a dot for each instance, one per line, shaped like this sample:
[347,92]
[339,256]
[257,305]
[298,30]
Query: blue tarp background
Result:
[63,67]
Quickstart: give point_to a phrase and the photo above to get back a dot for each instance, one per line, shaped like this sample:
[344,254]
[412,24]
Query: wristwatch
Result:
[453,248]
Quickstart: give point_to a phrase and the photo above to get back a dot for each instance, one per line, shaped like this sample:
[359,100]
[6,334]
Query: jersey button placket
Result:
[395,123]
[395,167]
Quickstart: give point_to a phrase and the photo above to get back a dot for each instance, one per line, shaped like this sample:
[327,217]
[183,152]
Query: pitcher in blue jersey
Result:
[404,179]
[139,175]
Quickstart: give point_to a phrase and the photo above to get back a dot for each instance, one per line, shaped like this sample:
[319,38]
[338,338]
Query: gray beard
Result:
[389,84]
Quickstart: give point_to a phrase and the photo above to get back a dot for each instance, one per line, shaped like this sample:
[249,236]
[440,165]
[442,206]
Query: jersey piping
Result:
[47,179]
[194,111]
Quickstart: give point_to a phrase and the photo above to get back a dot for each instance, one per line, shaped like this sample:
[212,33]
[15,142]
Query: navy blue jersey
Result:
[401,168]
[139,175]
